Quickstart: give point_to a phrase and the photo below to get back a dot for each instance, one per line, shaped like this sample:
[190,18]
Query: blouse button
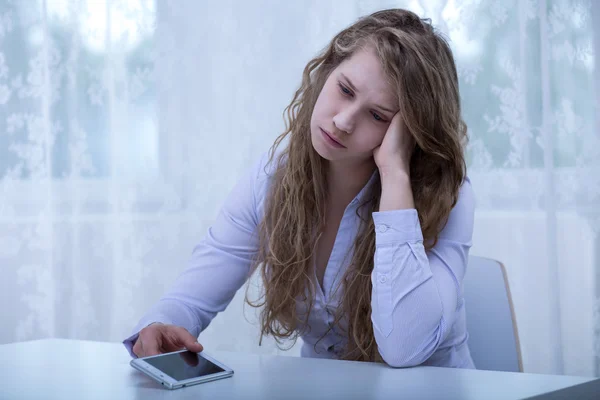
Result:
[382,228]
[382,279]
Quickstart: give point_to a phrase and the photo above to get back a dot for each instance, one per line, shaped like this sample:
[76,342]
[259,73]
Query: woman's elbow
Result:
[399,360]
[399,353]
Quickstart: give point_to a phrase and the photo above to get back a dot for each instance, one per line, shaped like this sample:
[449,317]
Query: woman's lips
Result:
[331,140]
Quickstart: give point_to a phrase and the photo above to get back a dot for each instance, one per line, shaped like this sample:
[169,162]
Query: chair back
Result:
[493,335]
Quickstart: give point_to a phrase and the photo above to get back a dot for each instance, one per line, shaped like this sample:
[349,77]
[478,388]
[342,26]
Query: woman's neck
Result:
[345,180]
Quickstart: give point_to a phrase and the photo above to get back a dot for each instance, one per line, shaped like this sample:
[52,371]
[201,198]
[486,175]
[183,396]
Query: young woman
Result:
[360,225]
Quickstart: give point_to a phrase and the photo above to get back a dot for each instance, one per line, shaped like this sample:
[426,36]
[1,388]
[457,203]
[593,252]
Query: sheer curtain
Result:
[123,125]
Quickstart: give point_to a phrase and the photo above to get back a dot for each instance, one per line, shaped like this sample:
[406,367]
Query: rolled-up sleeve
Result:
[219,266]
[416,293]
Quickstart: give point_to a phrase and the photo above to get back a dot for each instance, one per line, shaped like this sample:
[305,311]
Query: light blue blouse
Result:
[417,301]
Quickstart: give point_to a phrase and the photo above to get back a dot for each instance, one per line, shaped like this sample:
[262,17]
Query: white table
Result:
[72,369]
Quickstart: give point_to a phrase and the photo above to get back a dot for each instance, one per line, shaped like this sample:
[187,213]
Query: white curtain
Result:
[123,125]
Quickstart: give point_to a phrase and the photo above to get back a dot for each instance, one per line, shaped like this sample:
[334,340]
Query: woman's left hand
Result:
[394,153]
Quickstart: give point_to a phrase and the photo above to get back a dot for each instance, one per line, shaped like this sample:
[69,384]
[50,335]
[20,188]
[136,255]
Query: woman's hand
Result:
[393,160]
[394,153]
[159,338]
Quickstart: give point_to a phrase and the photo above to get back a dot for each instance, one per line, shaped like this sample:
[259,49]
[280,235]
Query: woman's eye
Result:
[344,90]
[378,118]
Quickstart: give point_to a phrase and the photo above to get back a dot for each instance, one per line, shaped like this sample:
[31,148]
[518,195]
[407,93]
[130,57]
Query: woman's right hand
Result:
[158,338]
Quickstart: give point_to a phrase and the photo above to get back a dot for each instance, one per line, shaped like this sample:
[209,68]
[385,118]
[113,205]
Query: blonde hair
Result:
[421,68]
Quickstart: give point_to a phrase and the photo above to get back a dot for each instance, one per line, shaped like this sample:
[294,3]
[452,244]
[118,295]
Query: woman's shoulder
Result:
[466,195]
[266,166]
[461,219]
[264,174]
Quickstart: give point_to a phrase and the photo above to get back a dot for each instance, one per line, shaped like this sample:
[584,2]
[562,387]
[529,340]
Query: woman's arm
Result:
[219,266]
[416,293]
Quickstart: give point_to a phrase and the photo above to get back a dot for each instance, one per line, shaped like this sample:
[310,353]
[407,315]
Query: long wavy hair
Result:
[420,66]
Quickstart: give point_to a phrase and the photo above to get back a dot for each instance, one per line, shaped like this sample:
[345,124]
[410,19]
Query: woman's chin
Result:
[324,152]
[321,149]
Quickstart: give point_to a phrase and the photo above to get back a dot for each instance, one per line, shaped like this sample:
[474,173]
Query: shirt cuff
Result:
[397,226]
[130,342]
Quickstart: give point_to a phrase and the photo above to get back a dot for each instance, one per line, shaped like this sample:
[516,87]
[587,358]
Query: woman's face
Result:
[355,108]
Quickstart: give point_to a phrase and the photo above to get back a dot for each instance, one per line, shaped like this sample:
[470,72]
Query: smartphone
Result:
[181,368]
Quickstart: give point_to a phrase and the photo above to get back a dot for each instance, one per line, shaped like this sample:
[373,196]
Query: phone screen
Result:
[184,365]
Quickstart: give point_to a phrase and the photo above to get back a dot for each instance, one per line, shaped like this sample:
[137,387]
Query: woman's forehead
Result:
[366,73]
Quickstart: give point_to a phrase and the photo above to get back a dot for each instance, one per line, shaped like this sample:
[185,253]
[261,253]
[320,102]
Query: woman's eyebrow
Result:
[349,82]
[357,91]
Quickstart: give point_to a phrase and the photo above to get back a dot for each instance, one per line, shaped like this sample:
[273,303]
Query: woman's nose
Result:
[345,120]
